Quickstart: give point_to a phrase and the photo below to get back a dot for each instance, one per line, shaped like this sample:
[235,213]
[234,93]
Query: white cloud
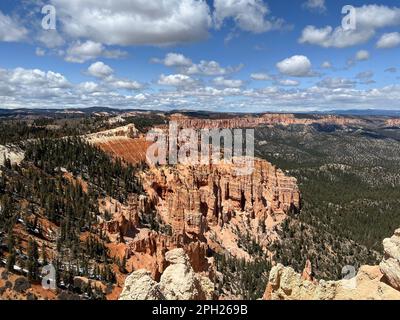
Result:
[288,83]
[125,84]
[89,87]
[377,16]
[389,40]
[328,37]
[35,88]
[177,60]
[315,5]
[81,52]
[326,65]
[210,68]
[229,83]
[260,77]
[40,52]
[248,15]
[50,38]
[36,77]
[362,55]
[204,68]
[100,70]
[176,80]
[336,83]
[49,89]
[296,66]
[104,72]
[365,75]
[135,22]
[10,30]
[369,18]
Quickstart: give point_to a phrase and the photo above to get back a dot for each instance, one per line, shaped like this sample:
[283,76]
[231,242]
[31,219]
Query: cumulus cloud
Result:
[389,40]
[89,87]
[248,15]
[204,68]
[125,84]
[50,38]
[135,22]
[40,52]
[36,77]
[211,68]
[326,65]
[315,5]
[175,60]
[36,88]
[49,89]
[362,55]
[328,37]
[100,70]
[336,83]
[260,77]
[80,52]
[229,83]
[295,66]
[10,30]
[105,73]
[288,82]
[365,77]
[369,18]
[176,80]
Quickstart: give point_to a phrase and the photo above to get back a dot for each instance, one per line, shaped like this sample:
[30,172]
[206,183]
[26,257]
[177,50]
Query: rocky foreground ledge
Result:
[371,282]
[178,282]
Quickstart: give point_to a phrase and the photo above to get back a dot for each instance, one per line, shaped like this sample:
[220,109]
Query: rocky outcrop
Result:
[128,131]
[264,119]
[140,286]
[286,284]
[190,198]
[390,265]
[13,153]
[370,283]
[178,282]
[152,244]
[395,122]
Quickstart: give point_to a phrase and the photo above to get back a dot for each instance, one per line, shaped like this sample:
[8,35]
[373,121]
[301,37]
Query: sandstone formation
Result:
[370,283]
[140,286]
[286,284]
[191,199]
[255,121]
[390,265]
[395,122]
[128,131]
[199,209]
[178,282]
[148,248]
[14,153]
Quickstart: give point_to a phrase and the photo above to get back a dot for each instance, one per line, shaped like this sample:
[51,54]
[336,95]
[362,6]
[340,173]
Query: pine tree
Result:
[44,256]
[123,265]
[11,258]
[33,260]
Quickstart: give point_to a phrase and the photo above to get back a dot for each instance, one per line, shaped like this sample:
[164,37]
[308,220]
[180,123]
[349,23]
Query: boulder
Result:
[178,282]
[390,265]
[140,286]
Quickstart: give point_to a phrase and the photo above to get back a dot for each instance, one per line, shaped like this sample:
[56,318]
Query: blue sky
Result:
[241,55]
